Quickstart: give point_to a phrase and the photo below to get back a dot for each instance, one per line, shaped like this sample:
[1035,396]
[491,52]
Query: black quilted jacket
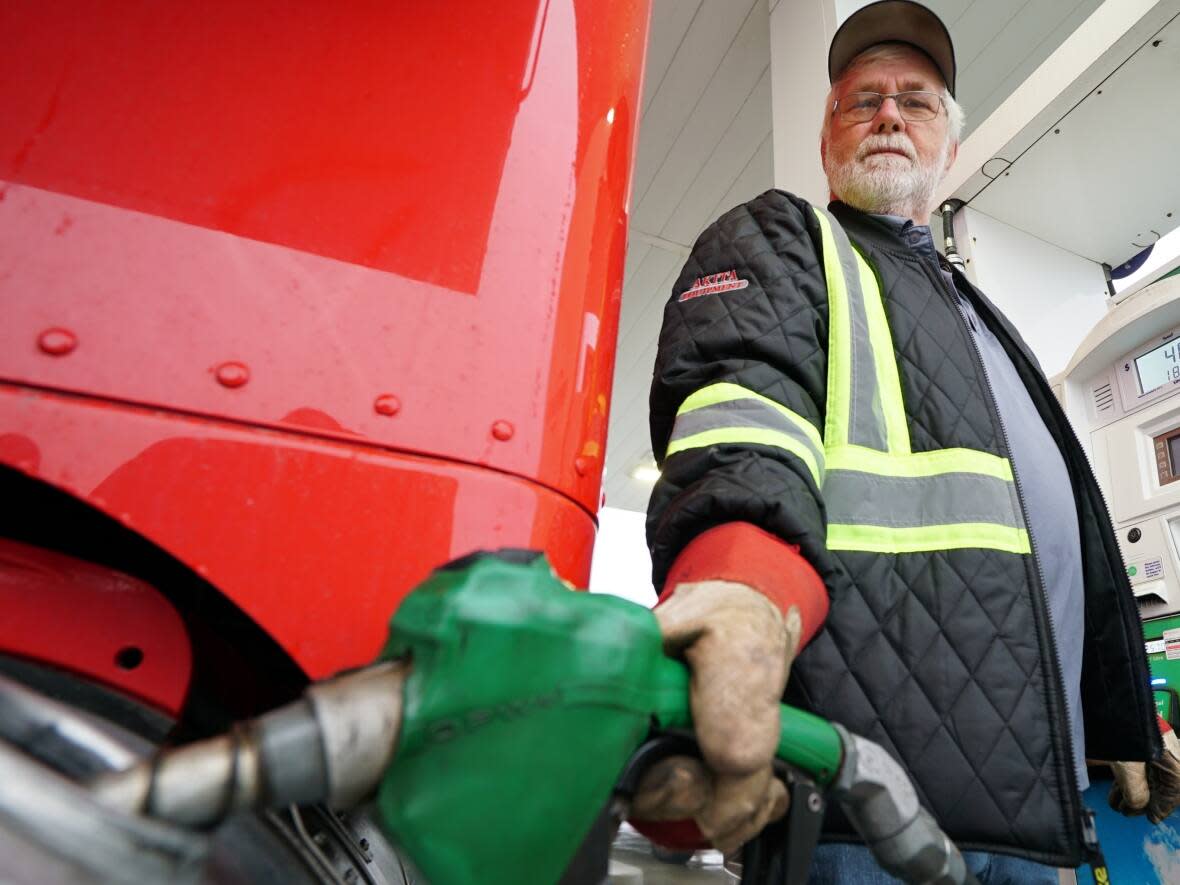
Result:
[945,658]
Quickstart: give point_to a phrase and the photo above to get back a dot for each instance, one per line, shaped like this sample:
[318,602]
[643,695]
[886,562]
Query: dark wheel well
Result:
[238,669]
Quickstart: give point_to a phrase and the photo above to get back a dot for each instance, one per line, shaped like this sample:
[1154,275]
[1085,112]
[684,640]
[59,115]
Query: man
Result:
[868,485]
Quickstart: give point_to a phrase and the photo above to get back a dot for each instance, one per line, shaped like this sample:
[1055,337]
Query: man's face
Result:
[889,165]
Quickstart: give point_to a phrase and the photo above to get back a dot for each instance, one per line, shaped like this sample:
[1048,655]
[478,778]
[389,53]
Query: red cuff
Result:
[742,552]
[1164,726]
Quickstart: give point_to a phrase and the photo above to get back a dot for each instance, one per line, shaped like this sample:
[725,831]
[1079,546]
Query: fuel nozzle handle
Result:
[876,794]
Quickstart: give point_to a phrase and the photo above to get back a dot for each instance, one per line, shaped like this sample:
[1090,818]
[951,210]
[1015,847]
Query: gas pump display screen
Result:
[1159,366]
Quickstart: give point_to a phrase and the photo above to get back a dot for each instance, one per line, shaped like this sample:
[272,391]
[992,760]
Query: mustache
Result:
[892,142]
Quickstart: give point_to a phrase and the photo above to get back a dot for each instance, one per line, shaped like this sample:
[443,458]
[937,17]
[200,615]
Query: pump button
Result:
[1134,535]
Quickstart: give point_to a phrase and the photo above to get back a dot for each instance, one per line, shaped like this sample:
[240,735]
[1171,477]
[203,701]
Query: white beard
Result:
[887,184]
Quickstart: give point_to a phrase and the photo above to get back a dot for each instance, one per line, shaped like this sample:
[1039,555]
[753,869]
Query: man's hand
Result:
[739,647]
[1152,787]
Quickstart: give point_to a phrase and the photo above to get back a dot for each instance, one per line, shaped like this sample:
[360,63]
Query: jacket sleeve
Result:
[737,398]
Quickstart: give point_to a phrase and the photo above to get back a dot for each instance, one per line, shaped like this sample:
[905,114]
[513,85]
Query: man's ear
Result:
[950,157]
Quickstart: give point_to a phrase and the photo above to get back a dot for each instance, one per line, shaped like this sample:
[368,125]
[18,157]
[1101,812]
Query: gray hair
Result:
[885,52]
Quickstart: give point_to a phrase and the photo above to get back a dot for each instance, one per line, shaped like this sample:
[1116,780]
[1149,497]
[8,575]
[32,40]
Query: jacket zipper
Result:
[1127,591]
[1089,830]
[1086,475]
[1075,816]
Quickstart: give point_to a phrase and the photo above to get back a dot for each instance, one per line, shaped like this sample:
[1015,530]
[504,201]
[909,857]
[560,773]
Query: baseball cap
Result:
[893,21]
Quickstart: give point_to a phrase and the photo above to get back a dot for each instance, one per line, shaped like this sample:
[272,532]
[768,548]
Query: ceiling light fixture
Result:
[645,472]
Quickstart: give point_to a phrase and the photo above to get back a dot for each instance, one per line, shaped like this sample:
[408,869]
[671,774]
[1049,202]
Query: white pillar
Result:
[800,31]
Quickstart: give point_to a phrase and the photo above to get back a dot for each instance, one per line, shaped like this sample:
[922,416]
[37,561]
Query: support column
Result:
[800,31]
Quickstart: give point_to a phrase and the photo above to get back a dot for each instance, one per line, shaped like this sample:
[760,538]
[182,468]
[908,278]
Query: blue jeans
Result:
[838,864]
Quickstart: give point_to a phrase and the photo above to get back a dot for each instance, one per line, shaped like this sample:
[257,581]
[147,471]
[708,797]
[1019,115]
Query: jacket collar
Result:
[871,232]
[874,235]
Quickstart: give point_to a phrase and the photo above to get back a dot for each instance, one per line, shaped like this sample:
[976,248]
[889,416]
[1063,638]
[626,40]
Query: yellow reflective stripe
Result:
[851,465]
[888,383]
[924,539]
[748,436]
[726,392]
[839,338]
[917,463]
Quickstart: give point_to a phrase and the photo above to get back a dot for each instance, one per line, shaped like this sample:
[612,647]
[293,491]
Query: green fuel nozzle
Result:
[494,730]
[524,703]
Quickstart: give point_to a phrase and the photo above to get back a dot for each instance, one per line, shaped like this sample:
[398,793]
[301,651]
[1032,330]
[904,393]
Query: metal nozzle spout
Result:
[332,745]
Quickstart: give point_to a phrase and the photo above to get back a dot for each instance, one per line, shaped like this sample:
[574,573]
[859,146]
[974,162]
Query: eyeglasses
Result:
[860,107]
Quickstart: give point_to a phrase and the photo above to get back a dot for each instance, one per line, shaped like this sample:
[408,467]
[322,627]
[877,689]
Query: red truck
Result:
[299,301]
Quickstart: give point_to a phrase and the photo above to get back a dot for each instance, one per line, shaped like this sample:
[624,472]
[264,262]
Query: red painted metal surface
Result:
[108,626]
[345,201]
[316,540]
[317,297]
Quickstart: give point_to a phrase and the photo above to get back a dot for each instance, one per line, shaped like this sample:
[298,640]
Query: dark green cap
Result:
[893,21]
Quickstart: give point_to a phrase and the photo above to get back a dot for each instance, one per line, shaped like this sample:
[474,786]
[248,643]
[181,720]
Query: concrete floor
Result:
[634,864]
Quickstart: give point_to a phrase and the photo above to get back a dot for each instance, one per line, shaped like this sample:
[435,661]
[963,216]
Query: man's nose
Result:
[888,117]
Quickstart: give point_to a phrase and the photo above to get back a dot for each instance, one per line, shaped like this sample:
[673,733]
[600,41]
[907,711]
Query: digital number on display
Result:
[1158,367]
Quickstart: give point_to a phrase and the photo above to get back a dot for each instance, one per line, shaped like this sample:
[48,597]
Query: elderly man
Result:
[868,485]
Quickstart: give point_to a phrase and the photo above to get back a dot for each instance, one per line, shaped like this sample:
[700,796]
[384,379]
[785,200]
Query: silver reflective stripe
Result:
[856,498]
[743,413]
[866,420]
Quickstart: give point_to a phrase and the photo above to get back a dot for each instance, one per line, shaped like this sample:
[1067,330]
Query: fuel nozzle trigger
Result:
[764,859]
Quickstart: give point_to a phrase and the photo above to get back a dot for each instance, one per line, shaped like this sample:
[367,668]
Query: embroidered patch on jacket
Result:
[726,281]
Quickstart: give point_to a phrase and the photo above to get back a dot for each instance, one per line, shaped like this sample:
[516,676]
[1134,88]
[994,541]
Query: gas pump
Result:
[1121,390]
